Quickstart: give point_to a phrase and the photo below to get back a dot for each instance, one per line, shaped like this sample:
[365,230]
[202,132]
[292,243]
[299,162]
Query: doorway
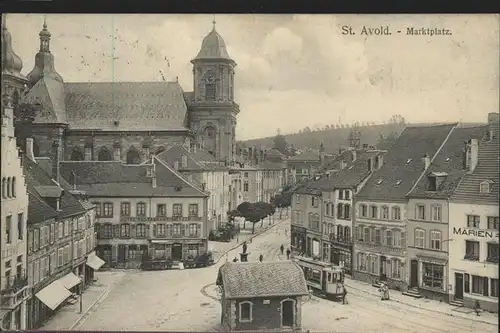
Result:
[176,251]
[414,273]
[459,286]
[287,313]
[382,268]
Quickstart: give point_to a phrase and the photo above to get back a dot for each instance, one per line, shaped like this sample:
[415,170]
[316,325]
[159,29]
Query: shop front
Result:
[341,252]
[176,250]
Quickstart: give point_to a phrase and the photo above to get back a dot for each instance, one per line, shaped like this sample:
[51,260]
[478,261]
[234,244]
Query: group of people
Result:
[384,291]
[288,252]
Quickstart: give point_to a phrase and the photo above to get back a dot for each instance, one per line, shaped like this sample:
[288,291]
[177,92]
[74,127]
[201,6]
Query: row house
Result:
[273,179]
[13,231]
[333,193]
[61,239]
[474,226]
[142,209]
[202,168]
[429,213]
[380,251]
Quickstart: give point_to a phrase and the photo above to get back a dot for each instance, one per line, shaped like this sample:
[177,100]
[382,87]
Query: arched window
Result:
[8,187]
[245,314]
[347,233]
[13,190]
[209,139]
[15,98]
[133,157]
[104,155]
[4,188]
[76,155]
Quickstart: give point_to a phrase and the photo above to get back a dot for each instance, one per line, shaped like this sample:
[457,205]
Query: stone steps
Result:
[413,292]
[457,303]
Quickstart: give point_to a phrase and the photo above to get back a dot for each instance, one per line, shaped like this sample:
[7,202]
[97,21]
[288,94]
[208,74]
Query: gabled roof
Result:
[403,163]
[268,165]
[197,160]
[148,106]
[448,164]
[38,210]
[49,92]
[262,279]
[350,176]
[487,169]
[274,153]
[115,179]
[38,179]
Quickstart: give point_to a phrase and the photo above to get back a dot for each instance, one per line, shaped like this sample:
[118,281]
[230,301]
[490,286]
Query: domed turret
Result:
[213,47]
[11,63]
[44,60]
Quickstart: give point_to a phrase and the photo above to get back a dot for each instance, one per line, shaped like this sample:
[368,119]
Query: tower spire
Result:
[214,22]
[44,37]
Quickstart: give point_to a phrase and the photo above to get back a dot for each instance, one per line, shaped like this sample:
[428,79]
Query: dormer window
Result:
[447,159]
[408,161]
[485,186]
[399,182]
[432,186]
[379,181]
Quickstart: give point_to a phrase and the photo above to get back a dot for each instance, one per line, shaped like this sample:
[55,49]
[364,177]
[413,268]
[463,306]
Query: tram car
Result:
[324,278]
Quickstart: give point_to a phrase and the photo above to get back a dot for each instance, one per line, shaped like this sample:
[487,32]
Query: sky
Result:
[292,71]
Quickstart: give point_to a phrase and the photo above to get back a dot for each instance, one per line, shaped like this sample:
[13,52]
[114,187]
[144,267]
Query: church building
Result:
[129,121]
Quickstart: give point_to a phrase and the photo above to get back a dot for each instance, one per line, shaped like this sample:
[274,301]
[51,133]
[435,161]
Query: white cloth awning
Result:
[53,295]
[70,280]
[94,262]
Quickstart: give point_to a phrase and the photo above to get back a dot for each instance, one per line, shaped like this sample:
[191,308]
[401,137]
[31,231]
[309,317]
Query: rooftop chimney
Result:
[427,161]
[473,154]
[29,149]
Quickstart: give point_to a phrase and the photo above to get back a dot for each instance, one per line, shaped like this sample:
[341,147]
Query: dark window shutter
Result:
[485,286]
[154,230]
[467,283]
[116,231]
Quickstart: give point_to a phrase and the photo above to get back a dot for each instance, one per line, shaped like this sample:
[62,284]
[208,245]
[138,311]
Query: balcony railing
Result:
[159,218]
[14,284]
[492,259]
[470,256]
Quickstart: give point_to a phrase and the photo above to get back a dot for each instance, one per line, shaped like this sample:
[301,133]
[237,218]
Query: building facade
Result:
[429,215]
[61,240]
[203,169]
[143,209]
[380,249]
[13,231]
[474,226]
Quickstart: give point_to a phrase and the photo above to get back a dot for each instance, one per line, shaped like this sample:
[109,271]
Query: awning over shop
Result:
[94,262]
[70,280]
[53,295]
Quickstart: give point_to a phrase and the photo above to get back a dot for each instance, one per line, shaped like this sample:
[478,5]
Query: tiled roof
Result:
[196,160]
[115,179]
[49,92]
[38,210]
[306,156]
[274,153]
[37,178]
[403,163]
[487,169]
[449,160]
[262,279]
[351,175]
[153,106]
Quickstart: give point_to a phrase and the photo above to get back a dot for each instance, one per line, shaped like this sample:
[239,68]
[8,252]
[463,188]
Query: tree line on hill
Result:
[334,136]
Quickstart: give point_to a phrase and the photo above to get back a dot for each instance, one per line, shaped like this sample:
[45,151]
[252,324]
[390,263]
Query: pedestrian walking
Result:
[282,248]
[244,247]
[477,308]
[288,253]
[261,257]
[286,232]
[344,294]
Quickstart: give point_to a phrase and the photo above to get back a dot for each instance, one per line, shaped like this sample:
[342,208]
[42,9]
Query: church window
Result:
[104,155]
[133,157]
[76,155]
[210,91]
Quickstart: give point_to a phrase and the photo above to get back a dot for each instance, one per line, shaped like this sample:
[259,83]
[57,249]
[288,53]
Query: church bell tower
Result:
[213,110]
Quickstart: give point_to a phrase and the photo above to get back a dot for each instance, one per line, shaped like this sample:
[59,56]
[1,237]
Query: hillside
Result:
[333,139]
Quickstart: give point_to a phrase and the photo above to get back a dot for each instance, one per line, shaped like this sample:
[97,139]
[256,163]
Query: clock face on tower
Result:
[210,78]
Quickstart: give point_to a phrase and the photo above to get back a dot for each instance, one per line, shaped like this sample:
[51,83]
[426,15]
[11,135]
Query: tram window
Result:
[329,277]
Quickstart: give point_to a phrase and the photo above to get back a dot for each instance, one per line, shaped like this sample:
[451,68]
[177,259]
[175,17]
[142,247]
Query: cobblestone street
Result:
[185,300]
